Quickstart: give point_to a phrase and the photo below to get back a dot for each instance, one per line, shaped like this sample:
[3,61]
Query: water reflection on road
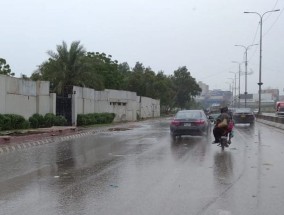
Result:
[144,171]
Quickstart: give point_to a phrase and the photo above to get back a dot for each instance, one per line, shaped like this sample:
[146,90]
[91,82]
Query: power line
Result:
[268,28]
[274,22]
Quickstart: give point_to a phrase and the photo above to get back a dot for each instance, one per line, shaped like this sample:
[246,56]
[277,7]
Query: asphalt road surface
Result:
[141,171]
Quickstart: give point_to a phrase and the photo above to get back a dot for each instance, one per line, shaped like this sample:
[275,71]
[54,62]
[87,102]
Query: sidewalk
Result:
[20,136]
[18,140]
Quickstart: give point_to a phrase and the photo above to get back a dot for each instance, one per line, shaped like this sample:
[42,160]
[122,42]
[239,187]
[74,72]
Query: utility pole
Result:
[239,96]
[260,54]
[246,70]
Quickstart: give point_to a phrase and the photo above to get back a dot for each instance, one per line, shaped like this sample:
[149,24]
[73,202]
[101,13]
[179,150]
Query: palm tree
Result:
[69,65]
[66,67]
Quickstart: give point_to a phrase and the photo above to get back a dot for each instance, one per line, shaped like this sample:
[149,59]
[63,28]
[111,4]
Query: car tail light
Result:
[200,122]
[176,123]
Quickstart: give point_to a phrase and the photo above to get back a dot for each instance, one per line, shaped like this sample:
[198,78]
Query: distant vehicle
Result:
[190,122]
[214,108]
[243,116]
[255,111]
[279,108]
[213,116]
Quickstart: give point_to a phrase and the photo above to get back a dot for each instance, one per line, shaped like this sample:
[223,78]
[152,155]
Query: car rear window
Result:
[189,115]
[243,110]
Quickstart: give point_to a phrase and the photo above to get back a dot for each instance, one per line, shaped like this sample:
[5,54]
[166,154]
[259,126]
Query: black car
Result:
[243,116]
[190,122]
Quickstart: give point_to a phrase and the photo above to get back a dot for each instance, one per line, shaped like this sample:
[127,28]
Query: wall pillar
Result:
[3,92]
[37,96]
[52,103]
[74,109]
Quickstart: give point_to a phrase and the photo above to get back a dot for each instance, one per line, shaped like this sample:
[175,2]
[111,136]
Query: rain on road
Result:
[141,171]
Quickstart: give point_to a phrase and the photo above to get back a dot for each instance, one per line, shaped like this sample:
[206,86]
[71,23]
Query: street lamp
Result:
[260,54]
[246,70]
[235,81]
[233,84]
[239,82]
[230,89]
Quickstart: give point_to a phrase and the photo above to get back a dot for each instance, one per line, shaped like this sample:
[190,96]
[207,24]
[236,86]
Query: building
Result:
[204,87]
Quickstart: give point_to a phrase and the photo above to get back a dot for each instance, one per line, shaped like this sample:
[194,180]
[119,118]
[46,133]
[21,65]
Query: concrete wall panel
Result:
[88,105]
[2,94]
[101,95]
[20,86]
[42,88]
[25,97]
[43,105]
[22,105]
[88,93]
[79,91]
[80,109]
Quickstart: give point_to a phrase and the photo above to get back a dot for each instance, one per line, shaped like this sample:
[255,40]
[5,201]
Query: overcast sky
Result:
[161,34]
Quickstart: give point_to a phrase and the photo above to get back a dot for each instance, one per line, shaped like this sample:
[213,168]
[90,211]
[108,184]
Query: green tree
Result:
[185,86]
[124,72]
[5,68]
[136,80]
[66,67]
[164,90]
[105,69]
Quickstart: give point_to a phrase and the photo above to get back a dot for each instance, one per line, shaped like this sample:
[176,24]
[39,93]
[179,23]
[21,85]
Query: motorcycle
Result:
[225,139]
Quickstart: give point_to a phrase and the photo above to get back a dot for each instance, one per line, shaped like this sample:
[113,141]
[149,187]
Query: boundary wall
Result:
[126,105]
[25,97]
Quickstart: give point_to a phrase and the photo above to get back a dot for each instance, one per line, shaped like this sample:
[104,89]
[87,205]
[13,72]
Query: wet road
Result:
[142,172]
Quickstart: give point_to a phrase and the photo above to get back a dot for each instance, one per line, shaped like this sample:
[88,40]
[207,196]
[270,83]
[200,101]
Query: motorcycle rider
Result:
[219,130]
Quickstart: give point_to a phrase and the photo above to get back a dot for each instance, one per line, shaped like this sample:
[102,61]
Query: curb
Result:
[270,123]
[25,145]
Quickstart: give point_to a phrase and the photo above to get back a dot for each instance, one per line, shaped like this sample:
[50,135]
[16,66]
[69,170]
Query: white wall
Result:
[24,97]
[2,94]
[125,104]
[148,107]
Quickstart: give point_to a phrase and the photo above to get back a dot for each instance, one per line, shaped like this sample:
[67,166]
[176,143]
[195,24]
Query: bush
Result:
[49,119]
[81,119]
[37,121]
[60,121]
[1,121]
[17,121]
[94,118]
[34,122]
[13,121]
[6,123]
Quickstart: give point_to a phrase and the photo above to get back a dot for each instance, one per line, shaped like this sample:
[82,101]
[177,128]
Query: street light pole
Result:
[233,84]
[246,68]
[260,55]
[239,101]
[235,81]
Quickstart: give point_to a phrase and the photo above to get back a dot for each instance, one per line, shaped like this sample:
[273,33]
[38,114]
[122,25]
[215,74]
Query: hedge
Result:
[48,120]
[94,118]
[13,121]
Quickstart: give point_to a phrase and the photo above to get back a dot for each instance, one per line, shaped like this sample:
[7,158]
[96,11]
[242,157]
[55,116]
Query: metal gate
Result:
[64,104]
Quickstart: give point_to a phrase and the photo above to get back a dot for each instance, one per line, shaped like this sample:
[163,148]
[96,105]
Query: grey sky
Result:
[161,34]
